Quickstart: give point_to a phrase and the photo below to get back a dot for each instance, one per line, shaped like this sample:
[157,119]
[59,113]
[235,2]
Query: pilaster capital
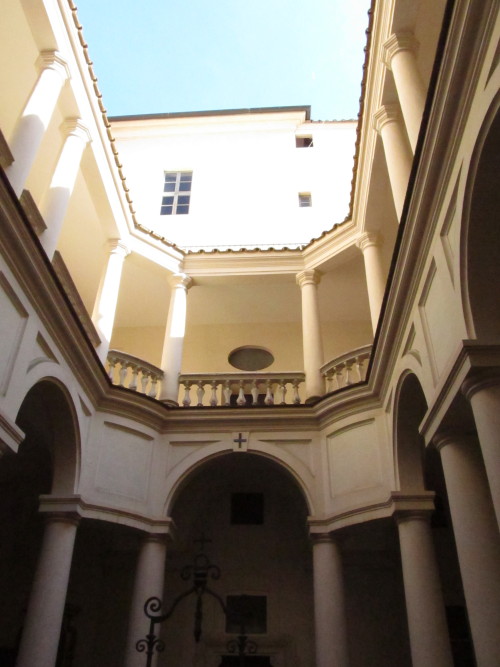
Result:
[387,113]
[397,42]
[73,127]
[117,247]
[309,277]
[480,379]
[180,280]
[52,60]
[369,239]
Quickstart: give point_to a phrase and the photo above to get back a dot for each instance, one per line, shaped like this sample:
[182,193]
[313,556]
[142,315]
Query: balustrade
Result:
[240,389]
[348,369]
[128,371]
[236,389]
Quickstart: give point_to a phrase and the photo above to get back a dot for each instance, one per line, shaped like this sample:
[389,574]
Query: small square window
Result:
[247,509]
[247,613]
[305,199]
[175,183]
[304,142]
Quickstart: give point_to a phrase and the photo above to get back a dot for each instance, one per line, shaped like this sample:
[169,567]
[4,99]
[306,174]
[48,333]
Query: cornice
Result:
[472,359]
[243,263]
[74,506]
[395,505]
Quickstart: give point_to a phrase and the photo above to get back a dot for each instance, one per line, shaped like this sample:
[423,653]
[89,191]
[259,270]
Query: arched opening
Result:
[45,463]
[252,515]
[411,408]
[481,239]
[420,469]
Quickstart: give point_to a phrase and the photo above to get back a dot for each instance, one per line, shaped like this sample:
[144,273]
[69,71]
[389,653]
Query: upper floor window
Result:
[304,142]
[176,193]
[305,199]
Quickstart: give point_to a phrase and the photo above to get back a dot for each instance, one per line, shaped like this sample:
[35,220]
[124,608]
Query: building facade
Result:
[319,418]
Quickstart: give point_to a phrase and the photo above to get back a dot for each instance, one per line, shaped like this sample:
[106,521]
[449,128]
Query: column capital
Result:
[180,280]
[397,42]
[73,127]
[71,517]
[369,239]
[117,247]
[405,515]
[309,277]
[450,437]
[480,379]
[387,113]
[160,538]
[53,60]
[325,538]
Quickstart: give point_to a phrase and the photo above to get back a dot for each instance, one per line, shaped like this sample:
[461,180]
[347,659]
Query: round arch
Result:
[48,418]
[194,469]
[410,406]
[480,238]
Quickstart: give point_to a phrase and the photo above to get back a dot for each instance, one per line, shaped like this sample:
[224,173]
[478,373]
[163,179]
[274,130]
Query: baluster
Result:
[213,396]
[200,392]
[296,397]
[111,371]
[255,393]
[241,400]
[133,381]
[122,374]
[269,397]
[360,365]
[153,390]
[338,374]
[186,401]
[144,379]
[283,391]
[348,368]
[227,392]
[328,380]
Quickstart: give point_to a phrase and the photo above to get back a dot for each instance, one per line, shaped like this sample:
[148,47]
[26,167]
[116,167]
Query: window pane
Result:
[186,176]
[181,210]
[185,187]
[169,187]
[166,210]
[170,177]
[167,201]
[183,199]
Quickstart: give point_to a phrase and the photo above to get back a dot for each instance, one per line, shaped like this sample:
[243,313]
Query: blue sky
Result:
[158,56]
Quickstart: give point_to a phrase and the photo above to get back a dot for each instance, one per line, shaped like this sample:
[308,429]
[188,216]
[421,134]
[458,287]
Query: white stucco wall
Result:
[247,175]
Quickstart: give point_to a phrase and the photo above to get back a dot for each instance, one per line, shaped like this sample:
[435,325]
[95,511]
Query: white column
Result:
[429,639]
[174,336]
[369,243]
[56,200]
[397,150]
[107,296]
[329,605]
[149,579]
[35,117]
[311,332]
[483,393]
[477,539]
[40,639]
[399,56]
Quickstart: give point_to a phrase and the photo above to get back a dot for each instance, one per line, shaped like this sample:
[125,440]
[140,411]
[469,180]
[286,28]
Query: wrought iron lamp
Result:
[198,572]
